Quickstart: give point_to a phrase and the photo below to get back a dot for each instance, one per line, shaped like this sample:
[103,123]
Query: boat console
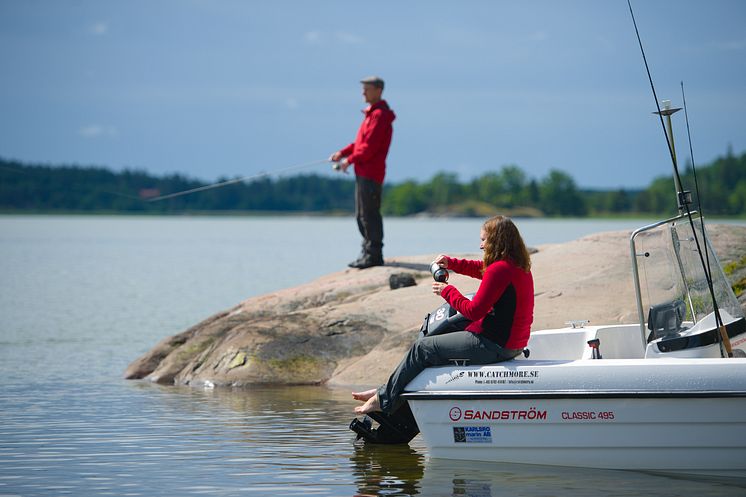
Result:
[698,340]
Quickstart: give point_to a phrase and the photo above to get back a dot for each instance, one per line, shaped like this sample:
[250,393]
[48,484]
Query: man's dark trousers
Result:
[369,221]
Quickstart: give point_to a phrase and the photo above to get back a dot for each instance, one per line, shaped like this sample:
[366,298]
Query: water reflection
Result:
[481,479]
[402,471]
[131,437]
[299,436]
[387,470]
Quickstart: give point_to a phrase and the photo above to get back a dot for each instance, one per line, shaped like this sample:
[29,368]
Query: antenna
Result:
[683,197]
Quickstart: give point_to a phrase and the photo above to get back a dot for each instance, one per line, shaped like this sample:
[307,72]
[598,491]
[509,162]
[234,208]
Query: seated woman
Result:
[501,313]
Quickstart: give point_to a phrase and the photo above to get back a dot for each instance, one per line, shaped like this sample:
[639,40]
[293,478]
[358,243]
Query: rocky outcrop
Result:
[352,328]
[300,335]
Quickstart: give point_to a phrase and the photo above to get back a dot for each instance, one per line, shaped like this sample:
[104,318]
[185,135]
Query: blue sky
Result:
[231,88]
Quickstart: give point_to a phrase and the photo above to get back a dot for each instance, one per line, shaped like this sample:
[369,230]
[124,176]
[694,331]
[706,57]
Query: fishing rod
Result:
[694,173]
[725,339]
[684,197]
[236,180]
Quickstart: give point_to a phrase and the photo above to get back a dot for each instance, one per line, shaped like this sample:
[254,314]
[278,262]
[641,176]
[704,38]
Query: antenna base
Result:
[667,112]
[684,198]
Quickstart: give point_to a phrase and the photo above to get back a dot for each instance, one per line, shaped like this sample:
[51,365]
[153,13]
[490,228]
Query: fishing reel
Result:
[336,166]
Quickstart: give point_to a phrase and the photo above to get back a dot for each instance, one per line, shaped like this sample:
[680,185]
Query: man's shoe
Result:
[356,263]
[368,262]
[360,258]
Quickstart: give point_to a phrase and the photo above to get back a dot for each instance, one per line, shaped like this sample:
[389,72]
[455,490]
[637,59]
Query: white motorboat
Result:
[666,394]
[657,396]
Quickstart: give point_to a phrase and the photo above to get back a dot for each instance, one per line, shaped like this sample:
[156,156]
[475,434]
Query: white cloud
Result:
[93,131]
[316,37]
[729,46]
[312,37]
[99,28]
[348,38]
[538,36]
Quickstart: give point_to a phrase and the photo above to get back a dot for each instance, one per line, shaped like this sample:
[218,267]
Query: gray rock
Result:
[401,280]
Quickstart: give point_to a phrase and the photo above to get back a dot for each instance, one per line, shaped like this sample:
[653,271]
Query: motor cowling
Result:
[444,319]
[398,427]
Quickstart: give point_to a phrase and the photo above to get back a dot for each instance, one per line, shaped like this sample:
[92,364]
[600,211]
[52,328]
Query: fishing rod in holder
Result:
[684,197]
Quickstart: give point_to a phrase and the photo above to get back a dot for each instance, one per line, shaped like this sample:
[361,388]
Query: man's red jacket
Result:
[368,152]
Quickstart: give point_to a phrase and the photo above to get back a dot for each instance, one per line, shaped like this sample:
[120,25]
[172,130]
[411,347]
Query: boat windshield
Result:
[670,274]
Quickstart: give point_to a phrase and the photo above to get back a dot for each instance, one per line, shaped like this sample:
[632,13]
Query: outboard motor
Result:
[397,428]
[400,426]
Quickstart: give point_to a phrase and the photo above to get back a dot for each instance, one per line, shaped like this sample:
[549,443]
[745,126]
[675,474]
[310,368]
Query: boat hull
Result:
[577,414]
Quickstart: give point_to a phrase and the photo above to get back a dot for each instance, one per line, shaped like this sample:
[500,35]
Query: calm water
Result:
[81,297]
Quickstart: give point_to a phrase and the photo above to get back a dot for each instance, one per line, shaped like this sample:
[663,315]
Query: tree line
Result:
[43,188]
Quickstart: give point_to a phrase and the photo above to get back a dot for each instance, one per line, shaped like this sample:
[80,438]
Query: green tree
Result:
[618,201]
[515,184]
[490,188]
[405,199]
[443,190]
[559,195]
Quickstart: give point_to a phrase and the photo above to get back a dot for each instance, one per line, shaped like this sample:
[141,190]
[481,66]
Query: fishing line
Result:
[236,180]
[682,201]
[655,95]
[119,194]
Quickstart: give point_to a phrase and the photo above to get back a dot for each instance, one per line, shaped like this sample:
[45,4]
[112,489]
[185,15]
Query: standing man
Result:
[368,154]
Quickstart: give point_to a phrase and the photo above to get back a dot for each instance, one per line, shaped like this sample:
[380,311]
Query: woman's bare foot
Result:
[364,396]
[372,405]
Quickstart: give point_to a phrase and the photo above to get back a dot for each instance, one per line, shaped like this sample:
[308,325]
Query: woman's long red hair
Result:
[504,242]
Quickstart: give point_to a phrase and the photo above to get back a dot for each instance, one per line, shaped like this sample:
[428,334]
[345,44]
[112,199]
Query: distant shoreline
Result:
[339,214]
[44,189]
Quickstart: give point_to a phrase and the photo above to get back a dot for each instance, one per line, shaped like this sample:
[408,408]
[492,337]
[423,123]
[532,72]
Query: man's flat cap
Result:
[373,80]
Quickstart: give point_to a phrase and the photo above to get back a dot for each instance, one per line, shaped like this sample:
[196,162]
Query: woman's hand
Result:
[442,261]
[438,287]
